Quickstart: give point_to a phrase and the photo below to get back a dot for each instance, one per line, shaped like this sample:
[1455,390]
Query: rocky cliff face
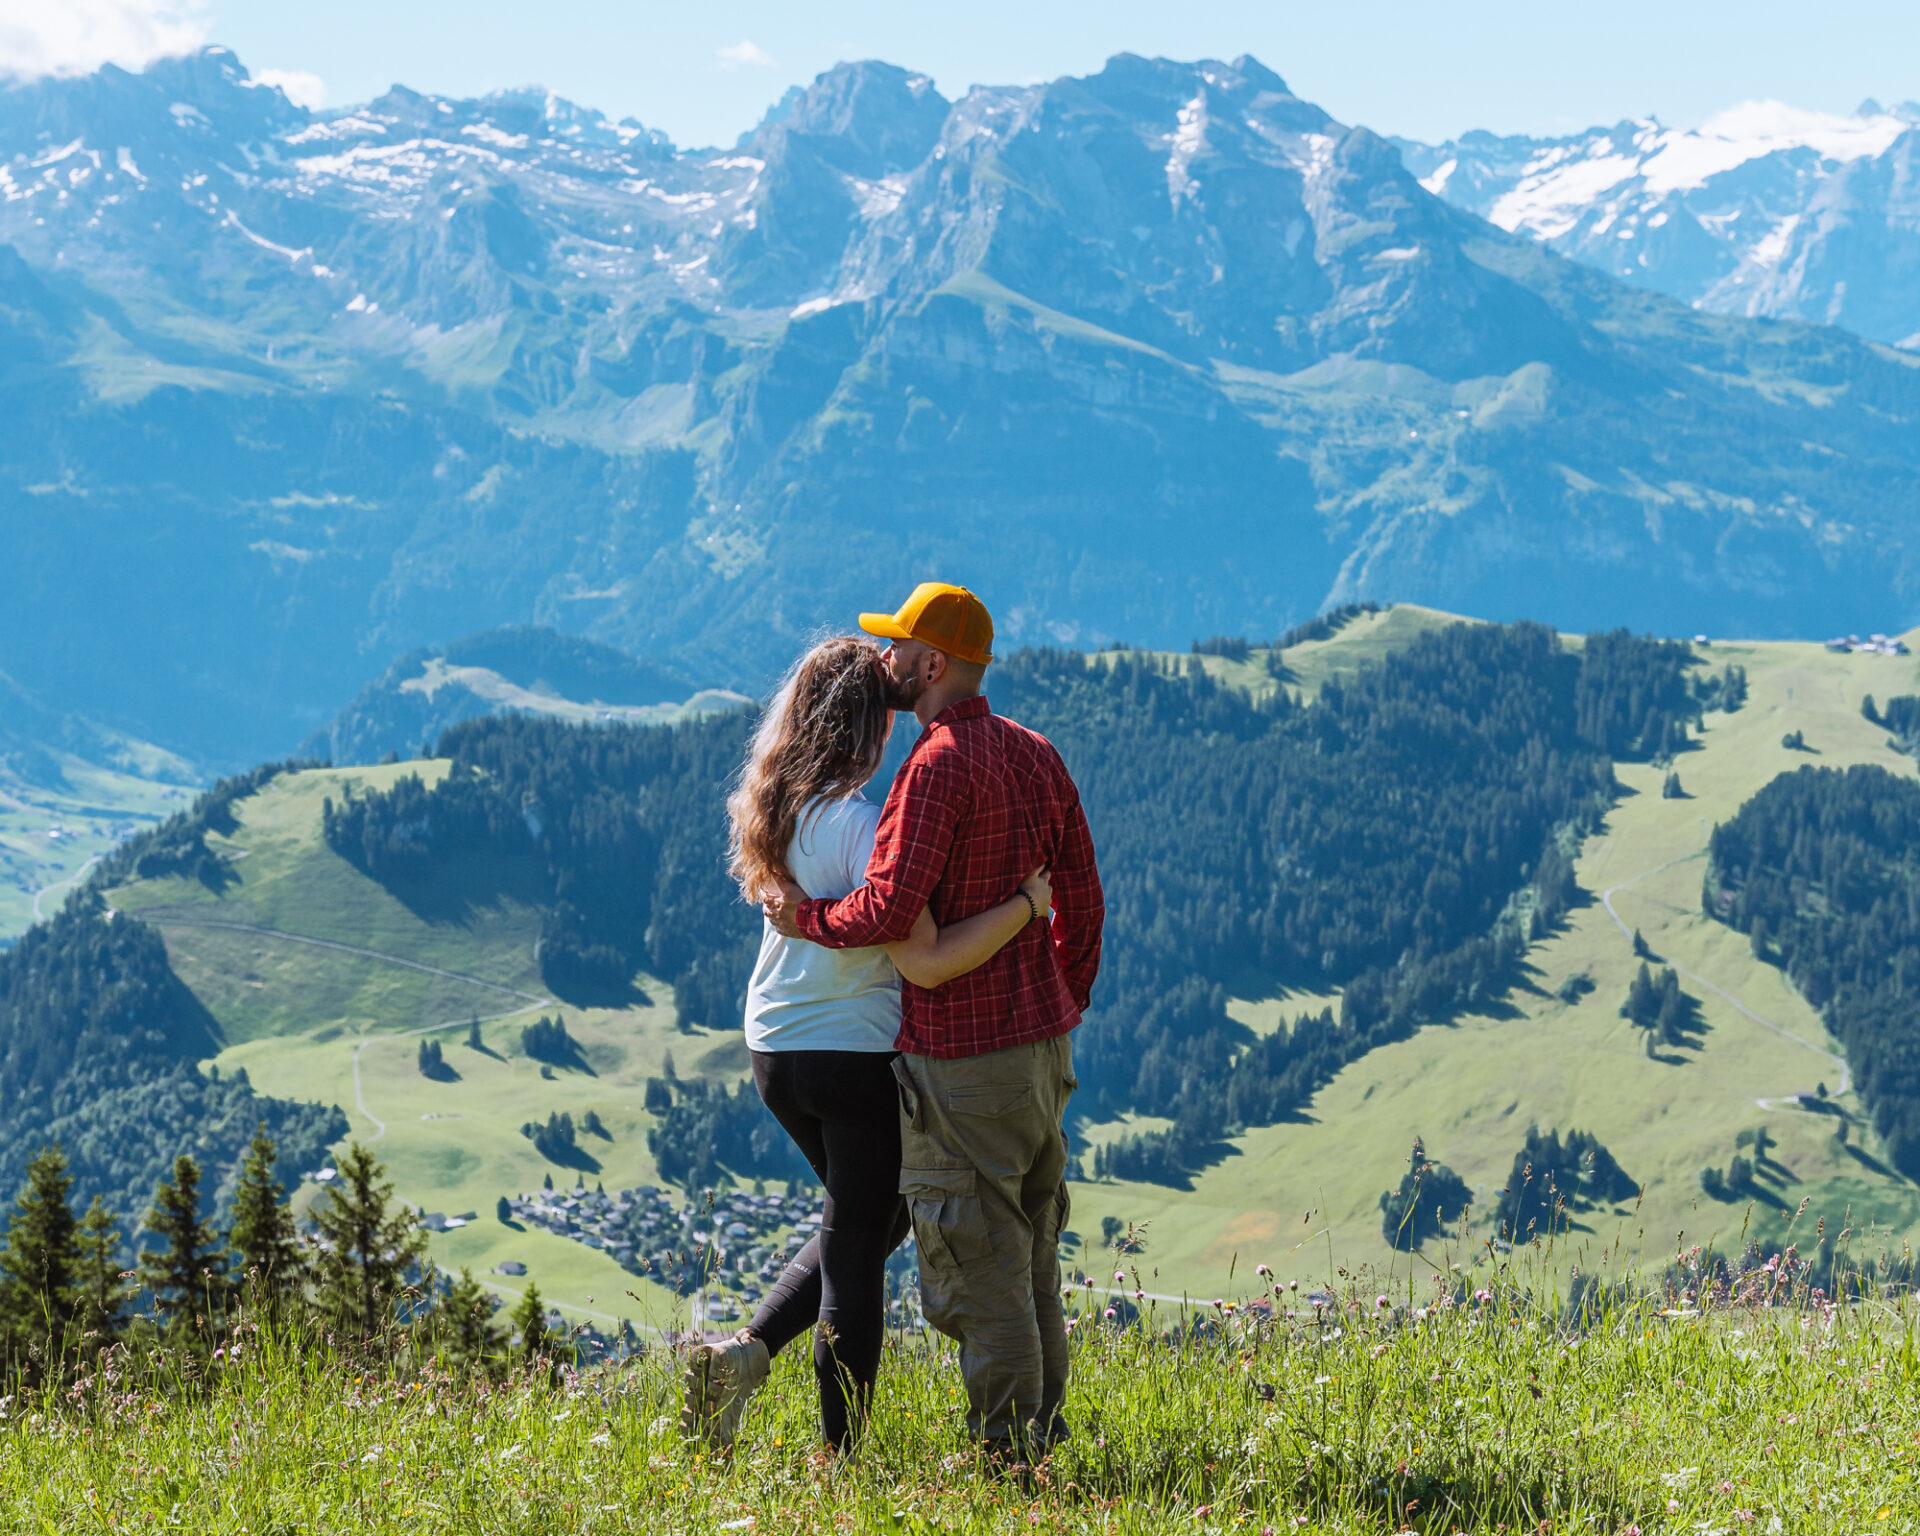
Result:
[1159,352]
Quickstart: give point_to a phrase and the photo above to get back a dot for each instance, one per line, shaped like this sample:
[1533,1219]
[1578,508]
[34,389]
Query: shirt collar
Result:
[962,709]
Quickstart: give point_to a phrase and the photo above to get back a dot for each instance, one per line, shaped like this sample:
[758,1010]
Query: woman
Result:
[821,1025]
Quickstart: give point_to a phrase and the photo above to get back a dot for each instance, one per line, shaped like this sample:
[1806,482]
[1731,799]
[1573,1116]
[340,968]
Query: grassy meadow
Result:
[302,1017]
[1299,1194]
[1428,1411]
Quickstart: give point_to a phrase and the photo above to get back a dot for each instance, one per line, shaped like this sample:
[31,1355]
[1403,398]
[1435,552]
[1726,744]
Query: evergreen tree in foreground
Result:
[38,1266]
[268,1267]
[188,1275]
[100,1291]
[365,1248]
[529,1320]
[468,1329]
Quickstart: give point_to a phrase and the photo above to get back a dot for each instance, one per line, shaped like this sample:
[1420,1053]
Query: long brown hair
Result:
[820,738]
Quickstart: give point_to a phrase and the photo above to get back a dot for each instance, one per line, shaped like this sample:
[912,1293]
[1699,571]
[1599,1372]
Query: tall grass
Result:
[1766,1408]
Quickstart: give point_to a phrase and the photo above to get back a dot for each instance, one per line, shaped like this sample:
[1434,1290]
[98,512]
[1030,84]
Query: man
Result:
[986,1067]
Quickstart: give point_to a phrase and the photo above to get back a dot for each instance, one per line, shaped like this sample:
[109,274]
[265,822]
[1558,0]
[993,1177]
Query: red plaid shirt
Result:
[979,804]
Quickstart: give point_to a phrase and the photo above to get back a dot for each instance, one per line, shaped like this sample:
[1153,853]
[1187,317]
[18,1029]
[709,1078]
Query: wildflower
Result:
[1293,1285]
[1381,1302]
[1483,1295]
[1109,1314]
[1673,1506]
[1262,1271]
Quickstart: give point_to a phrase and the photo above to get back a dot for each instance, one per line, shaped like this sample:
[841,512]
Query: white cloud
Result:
[73,37]
[298,86]
[746,51]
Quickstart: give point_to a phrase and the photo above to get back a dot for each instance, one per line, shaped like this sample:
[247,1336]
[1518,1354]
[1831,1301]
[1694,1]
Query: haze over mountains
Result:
[1160,352]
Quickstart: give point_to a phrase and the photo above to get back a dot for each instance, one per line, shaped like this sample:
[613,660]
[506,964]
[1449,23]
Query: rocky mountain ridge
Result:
[1159,352]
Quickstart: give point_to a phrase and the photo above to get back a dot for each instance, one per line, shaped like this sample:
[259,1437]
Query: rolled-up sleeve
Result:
[1079,907]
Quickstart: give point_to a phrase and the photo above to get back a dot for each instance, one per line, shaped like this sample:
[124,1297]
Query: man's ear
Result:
[936,665]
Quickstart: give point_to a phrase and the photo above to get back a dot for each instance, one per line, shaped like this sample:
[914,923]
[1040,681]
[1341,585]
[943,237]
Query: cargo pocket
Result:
[949,1227]
[988,1099]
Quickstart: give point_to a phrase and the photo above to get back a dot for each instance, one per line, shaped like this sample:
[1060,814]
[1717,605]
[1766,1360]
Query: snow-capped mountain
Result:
[1763,209]
[1158,352]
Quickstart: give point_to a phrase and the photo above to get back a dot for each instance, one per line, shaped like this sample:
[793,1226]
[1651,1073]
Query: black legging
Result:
[842,1109]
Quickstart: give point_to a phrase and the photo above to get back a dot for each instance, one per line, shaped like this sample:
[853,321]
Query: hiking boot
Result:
[720,1378]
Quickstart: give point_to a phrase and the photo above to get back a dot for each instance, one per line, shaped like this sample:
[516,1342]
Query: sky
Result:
[706,72]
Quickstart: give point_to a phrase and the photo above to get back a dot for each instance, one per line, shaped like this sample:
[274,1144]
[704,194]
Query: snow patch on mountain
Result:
[1764,209]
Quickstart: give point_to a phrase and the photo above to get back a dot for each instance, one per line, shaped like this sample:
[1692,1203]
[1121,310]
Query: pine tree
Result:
[468,1328]
[39,1265]
[529,1320]
[365,1248]
[188,1277]
[268,1267]
[100,1290]
[1643,999]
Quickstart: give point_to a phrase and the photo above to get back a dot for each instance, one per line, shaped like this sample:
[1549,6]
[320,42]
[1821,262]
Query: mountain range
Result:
[1157,353]
[1761,210]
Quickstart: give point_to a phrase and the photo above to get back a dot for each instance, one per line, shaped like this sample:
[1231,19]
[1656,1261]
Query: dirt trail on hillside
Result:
[1626,930]
[528,1000]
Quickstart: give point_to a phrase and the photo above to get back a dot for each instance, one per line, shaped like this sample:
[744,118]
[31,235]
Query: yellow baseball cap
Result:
[941,615]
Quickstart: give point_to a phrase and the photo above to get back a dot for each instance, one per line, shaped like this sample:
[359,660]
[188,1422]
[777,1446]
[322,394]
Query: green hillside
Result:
[320,980]
[321,983]
[1300,1196]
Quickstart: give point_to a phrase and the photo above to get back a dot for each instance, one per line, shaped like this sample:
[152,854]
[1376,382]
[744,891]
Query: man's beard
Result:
[903,693]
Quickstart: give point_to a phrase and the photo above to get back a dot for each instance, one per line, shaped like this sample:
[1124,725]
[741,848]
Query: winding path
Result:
[1606,900]
[60,885]
[528,1000]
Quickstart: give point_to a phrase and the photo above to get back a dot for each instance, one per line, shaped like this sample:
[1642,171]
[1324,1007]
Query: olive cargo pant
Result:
[983,1161]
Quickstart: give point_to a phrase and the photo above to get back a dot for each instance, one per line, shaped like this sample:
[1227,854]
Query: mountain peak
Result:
[878,116]
[1259,76]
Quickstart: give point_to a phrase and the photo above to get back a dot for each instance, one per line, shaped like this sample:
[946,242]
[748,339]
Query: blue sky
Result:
[705,72]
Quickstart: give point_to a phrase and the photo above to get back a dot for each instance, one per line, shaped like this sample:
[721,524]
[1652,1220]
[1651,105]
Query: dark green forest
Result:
[1821,870]
[98,1040]
[1403,838]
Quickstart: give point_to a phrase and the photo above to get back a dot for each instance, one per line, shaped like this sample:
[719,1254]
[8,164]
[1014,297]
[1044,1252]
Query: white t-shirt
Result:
[804,996]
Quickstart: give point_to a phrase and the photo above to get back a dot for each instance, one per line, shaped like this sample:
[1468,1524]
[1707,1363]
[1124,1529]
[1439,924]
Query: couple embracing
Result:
[908,1020]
